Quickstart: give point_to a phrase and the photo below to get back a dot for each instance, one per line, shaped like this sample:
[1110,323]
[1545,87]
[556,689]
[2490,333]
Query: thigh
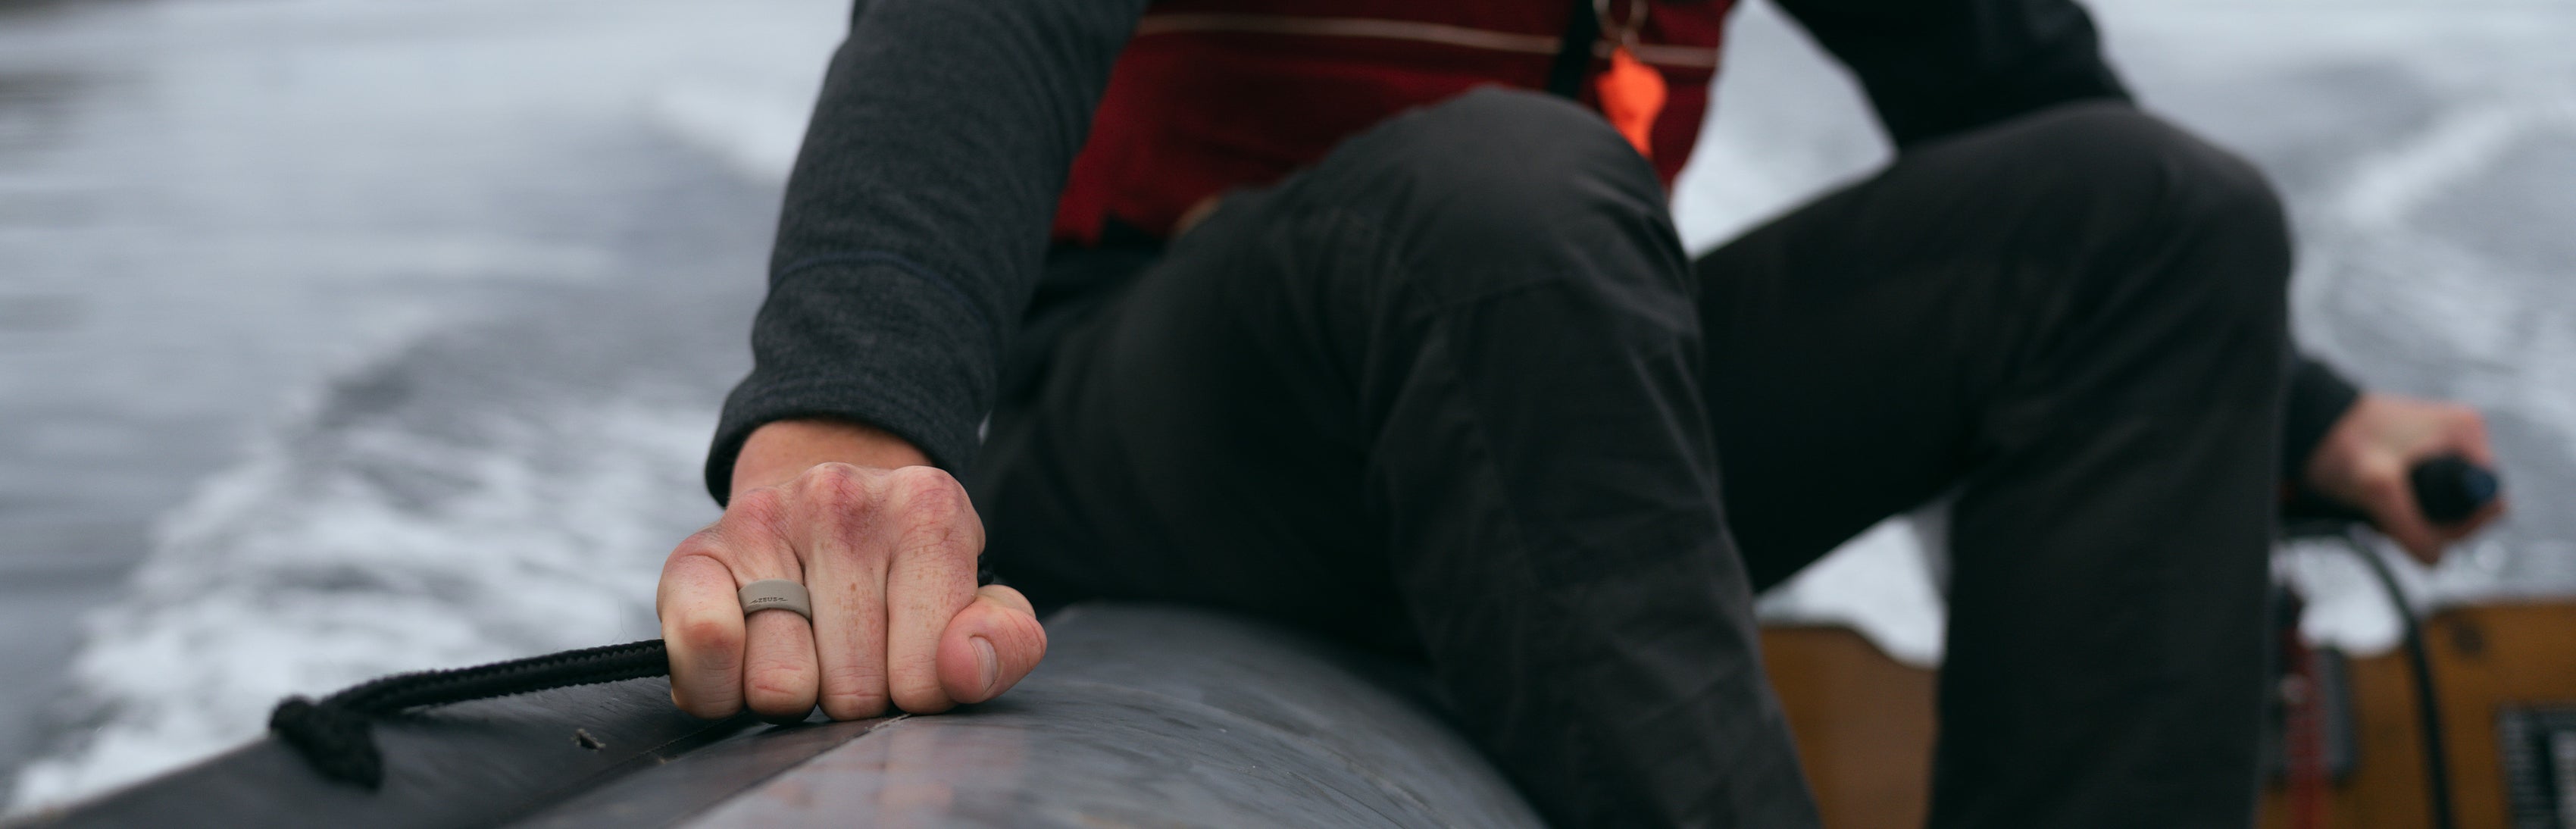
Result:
[1239,424]
[1191,440]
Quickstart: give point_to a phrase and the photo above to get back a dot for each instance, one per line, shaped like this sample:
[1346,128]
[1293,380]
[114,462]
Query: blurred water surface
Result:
[346,337]
[343,337]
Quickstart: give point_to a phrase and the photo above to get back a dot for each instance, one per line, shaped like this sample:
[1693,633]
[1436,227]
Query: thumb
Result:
[989,645]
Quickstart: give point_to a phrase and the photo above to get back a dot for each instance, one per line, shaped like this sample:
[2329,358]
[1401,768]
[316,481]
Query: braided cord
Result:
[333,735]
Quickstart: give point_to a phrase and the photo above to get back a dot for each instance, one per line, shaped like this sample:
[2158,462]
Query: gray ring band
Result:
[775,594]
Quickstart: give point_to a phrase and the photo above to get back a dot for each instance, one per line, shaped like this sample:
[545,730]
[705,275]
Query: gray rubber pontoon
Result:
[1140,716]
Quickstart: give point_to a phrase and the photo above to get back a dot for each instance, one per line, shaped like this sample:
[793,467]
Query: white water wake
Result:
[334,557]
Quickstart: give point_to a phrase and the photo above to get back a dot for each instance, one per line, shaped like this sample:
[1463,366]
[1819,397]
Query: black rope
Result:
[334,734]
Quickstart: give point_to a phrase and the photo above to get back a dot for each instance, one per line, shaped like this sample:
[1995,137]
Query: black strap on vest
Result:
[1573,63]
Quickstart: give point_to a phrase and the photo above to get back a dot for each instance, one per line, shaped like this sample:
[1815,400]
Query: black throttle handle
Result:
[2450,489]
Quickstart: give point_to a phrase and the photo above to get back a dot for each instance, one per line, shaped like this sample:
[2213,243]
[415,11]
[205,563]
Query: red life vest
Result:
[1213,95]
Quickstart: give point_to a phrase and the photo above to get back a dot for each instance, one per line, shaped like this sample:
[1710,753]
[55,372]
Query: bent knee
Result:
[2211,211]
[2114,151]
[1512,155]
[1499,185]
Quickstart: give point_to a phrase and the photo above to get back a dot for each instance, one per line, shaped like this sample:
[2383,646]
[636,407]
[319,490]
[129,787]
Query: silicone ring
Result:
[776,594]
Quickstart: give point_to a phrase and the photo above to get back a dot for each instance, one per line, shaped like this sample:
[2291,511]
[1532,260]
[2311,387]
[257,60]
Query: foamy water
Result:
[379,550]
[456,288]
[476,478]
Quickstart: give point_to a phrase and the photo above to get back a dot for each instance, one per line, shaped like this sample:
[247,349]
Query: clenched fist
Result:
[2362,463]
[887,548]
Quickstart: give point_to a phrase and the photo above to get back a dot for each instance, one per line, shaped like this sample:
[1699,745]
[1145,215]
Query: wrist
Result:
[780,450]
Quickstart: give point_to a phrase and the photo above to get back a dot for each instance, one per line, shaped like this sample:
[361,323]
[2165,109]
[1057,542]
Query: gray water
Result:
[340,337]
[354,325]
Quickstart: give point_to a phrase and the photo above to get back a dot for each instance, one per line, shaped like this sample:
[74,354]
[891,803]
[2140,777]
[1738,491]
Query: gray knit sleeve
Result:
[917,216]
[1938,67]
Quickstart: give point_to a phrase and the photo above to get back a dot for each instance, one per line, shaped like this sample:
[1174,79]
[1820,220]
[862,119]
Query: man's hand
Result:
[886,546]
[2363,461]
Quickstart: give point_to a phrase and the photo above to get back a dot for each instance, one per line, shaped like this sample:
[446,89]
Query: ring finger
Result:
[779,675]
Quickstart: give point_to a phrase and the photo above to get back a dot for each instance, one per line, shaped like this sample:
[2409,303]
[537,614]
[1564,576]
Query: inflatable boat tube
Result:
[1140,716]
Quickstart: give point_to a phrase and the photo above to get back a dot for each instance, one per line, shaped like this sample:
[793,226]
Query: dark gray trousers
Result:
[1457,392]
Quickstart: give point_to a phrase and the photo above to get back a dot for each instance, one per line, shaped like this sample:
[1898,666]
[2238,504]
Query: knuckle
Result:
[852,692]
[714,643]
[776,685]
[839,500]
[931,497]
[919,482]
[708,543]
[853,705]
[779,700]
[833,485]
[832,470]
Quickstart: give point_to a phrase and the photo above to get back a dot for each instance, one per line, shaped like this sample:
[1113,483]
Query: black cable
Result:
[2419,662]
[2448,489]
[334,735]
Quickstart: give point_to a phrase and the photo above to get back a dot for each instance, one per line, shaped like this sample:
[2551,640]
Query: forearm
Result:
[2317,398]
[1939,67]
[917,216]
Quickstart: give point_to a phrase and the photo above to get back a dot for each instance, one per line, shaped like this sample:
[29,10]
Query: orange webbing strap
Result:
[1632,94]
